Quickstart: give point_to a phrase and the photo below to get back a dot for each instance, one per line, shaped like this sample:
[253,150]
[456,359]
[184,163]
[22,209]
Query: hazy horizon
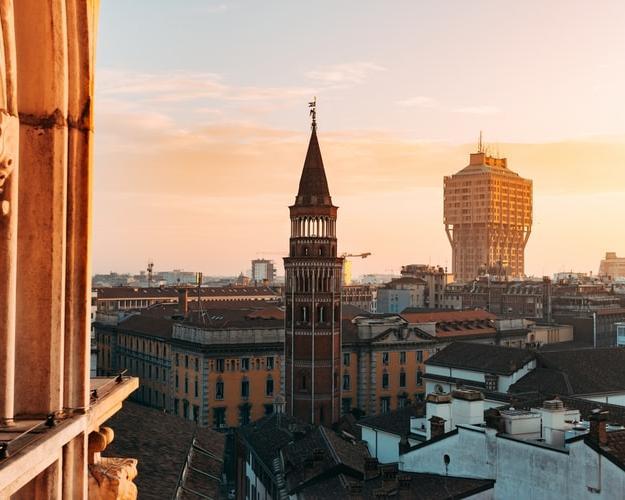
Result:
[202,126]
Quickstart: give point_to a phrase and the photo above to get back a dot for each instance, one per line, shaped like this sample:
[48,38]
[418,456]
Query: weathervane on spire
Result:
[313,112]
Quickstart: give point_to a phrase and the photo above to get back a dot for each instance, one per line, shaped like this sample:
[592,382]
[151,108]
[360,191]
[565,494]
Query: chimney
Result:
[598,422]
[437,427]
[183,301]
[467,407]
[371,468]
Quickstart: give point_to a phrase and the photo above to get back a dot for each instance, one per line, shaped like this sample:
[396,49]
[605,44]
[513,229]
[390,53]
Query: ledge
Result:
[32,452]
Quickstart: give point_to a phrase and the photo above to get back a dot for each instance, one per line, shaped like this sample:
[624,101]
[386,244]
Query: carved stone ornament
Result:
[9,135]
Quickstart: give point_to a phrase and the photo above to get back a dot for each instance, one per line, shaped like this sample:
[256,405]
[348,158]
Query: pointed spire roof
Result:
[313,185]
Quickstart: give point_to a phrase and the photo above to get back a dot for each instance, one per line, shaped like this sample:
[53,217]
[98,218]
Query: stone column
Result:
[41,41]
[9,153]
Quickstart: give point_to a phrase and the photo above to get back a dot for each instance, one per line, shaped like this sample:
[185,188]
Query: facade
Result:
[221,371]
[612,266]
[364,297]
[436,280]
[135,298]
[488,218]
[526,299]
[263,271]
[400,294]
[313,281]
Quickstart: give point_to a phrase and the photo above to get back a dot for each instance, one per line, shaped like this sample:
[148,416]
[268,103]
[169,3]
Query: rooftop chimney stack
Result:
[598,423]
[183,301]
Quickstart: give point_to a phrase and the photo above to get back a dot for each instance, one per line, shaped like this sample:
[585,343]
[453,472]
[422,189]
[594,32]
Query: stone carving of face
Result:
[9,129]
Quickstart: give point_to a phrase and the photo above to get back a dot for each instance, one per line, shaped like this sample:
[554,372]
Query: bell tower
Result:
[313,274]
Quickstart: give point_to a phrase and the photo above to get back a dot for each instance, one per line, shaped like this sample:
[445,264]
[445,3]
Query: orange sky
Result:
[201,134]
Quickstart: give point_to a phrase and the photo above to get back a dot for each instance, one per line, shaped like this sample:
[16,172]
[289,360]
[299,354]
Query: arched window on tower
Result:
[305,314]
[305,251]
[322,314]
[321,251]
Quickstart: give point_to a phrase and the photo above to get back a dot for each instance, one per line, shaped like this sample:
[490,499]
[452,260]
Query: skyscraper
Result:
[313,297]
[488,218]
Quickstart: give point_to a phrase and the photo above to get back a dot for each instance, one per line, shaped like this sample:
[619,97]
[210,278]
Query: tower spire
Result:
[313,112]
[480,146]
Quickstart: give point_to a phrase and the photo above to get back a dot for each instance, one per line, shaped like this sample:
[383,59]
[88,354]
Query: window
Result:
[164,376]
[176,381]
[156,376]
[219,417]
[177,360]
[419,377]
[402,357]
[402,401]
[402,379]
[346,358]
[385,381]
[219,364]
[346,405]
[419,356]
[269,387]
[195,389]
[269,362]
[186,361]
[385,358]
[244,414]
[491,381]
[245,388]
[304,314]
[245,364]
[197,364]
[268,409]
[346,382]
[219,390]
[175,407]
[385,405]
[186,384]
[185,408]
[322,314]
[196,413]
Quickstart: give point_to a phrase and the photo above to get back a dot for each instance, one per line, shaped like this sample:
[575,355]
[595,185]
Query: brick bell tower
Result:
[313,274]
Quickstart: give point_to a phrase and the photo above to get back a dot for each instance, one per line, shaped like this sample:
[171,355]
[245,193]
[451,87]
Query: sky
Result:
[202,125]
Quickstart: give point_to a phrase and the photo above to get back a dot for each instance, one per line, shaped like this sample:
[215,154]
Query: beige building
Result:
[612,266]
[488,218]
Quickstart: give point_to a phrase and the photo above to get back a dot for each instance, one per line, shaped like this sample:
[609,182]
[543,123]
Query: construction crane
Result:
[347,265]
[363,255]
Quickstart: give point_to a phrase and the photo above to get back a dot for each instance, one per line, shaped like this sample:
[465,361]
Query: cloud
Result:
[344,74]
[179,86]
[477,110]
[419,101]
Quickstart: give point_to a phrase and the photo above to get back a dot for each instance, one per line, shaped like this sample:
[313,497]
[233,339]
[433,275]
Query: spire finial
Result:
[480,146]
[313,112]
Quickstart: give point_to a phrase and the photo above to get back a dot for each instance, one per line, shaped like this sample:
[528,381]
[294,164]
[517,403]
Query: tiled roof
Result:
[616,446]
[162,443]
[302,464]
[268,435]
[124,292]
[419,486]
[447,316]
[395,422]
[482,358]
[579,371]
[153,326]
[313,185]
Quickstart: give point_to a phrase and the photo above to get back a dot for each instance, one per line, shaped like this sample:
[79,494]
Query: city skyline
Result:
[389,134]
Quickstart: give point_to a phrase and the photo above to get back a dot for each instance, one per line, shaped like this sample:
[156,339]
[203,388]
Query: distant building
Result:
[488,218]
[263,271]
[364,297]
[129,298]
[400,294]
[526,299]
[436,279]
[612,266]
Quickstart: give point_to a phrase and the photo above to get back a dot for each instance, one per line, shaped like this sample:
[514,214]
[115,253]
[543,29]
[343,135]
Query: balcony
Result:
[32,445]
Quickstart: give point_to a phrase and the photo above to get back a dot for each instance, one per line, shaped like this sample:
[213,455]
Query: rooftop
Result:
[482,358]
[162,444]
[395,422]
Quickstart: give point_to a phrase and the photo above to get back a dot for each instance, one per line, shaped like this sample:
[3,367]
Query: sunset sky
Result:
[202,125]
